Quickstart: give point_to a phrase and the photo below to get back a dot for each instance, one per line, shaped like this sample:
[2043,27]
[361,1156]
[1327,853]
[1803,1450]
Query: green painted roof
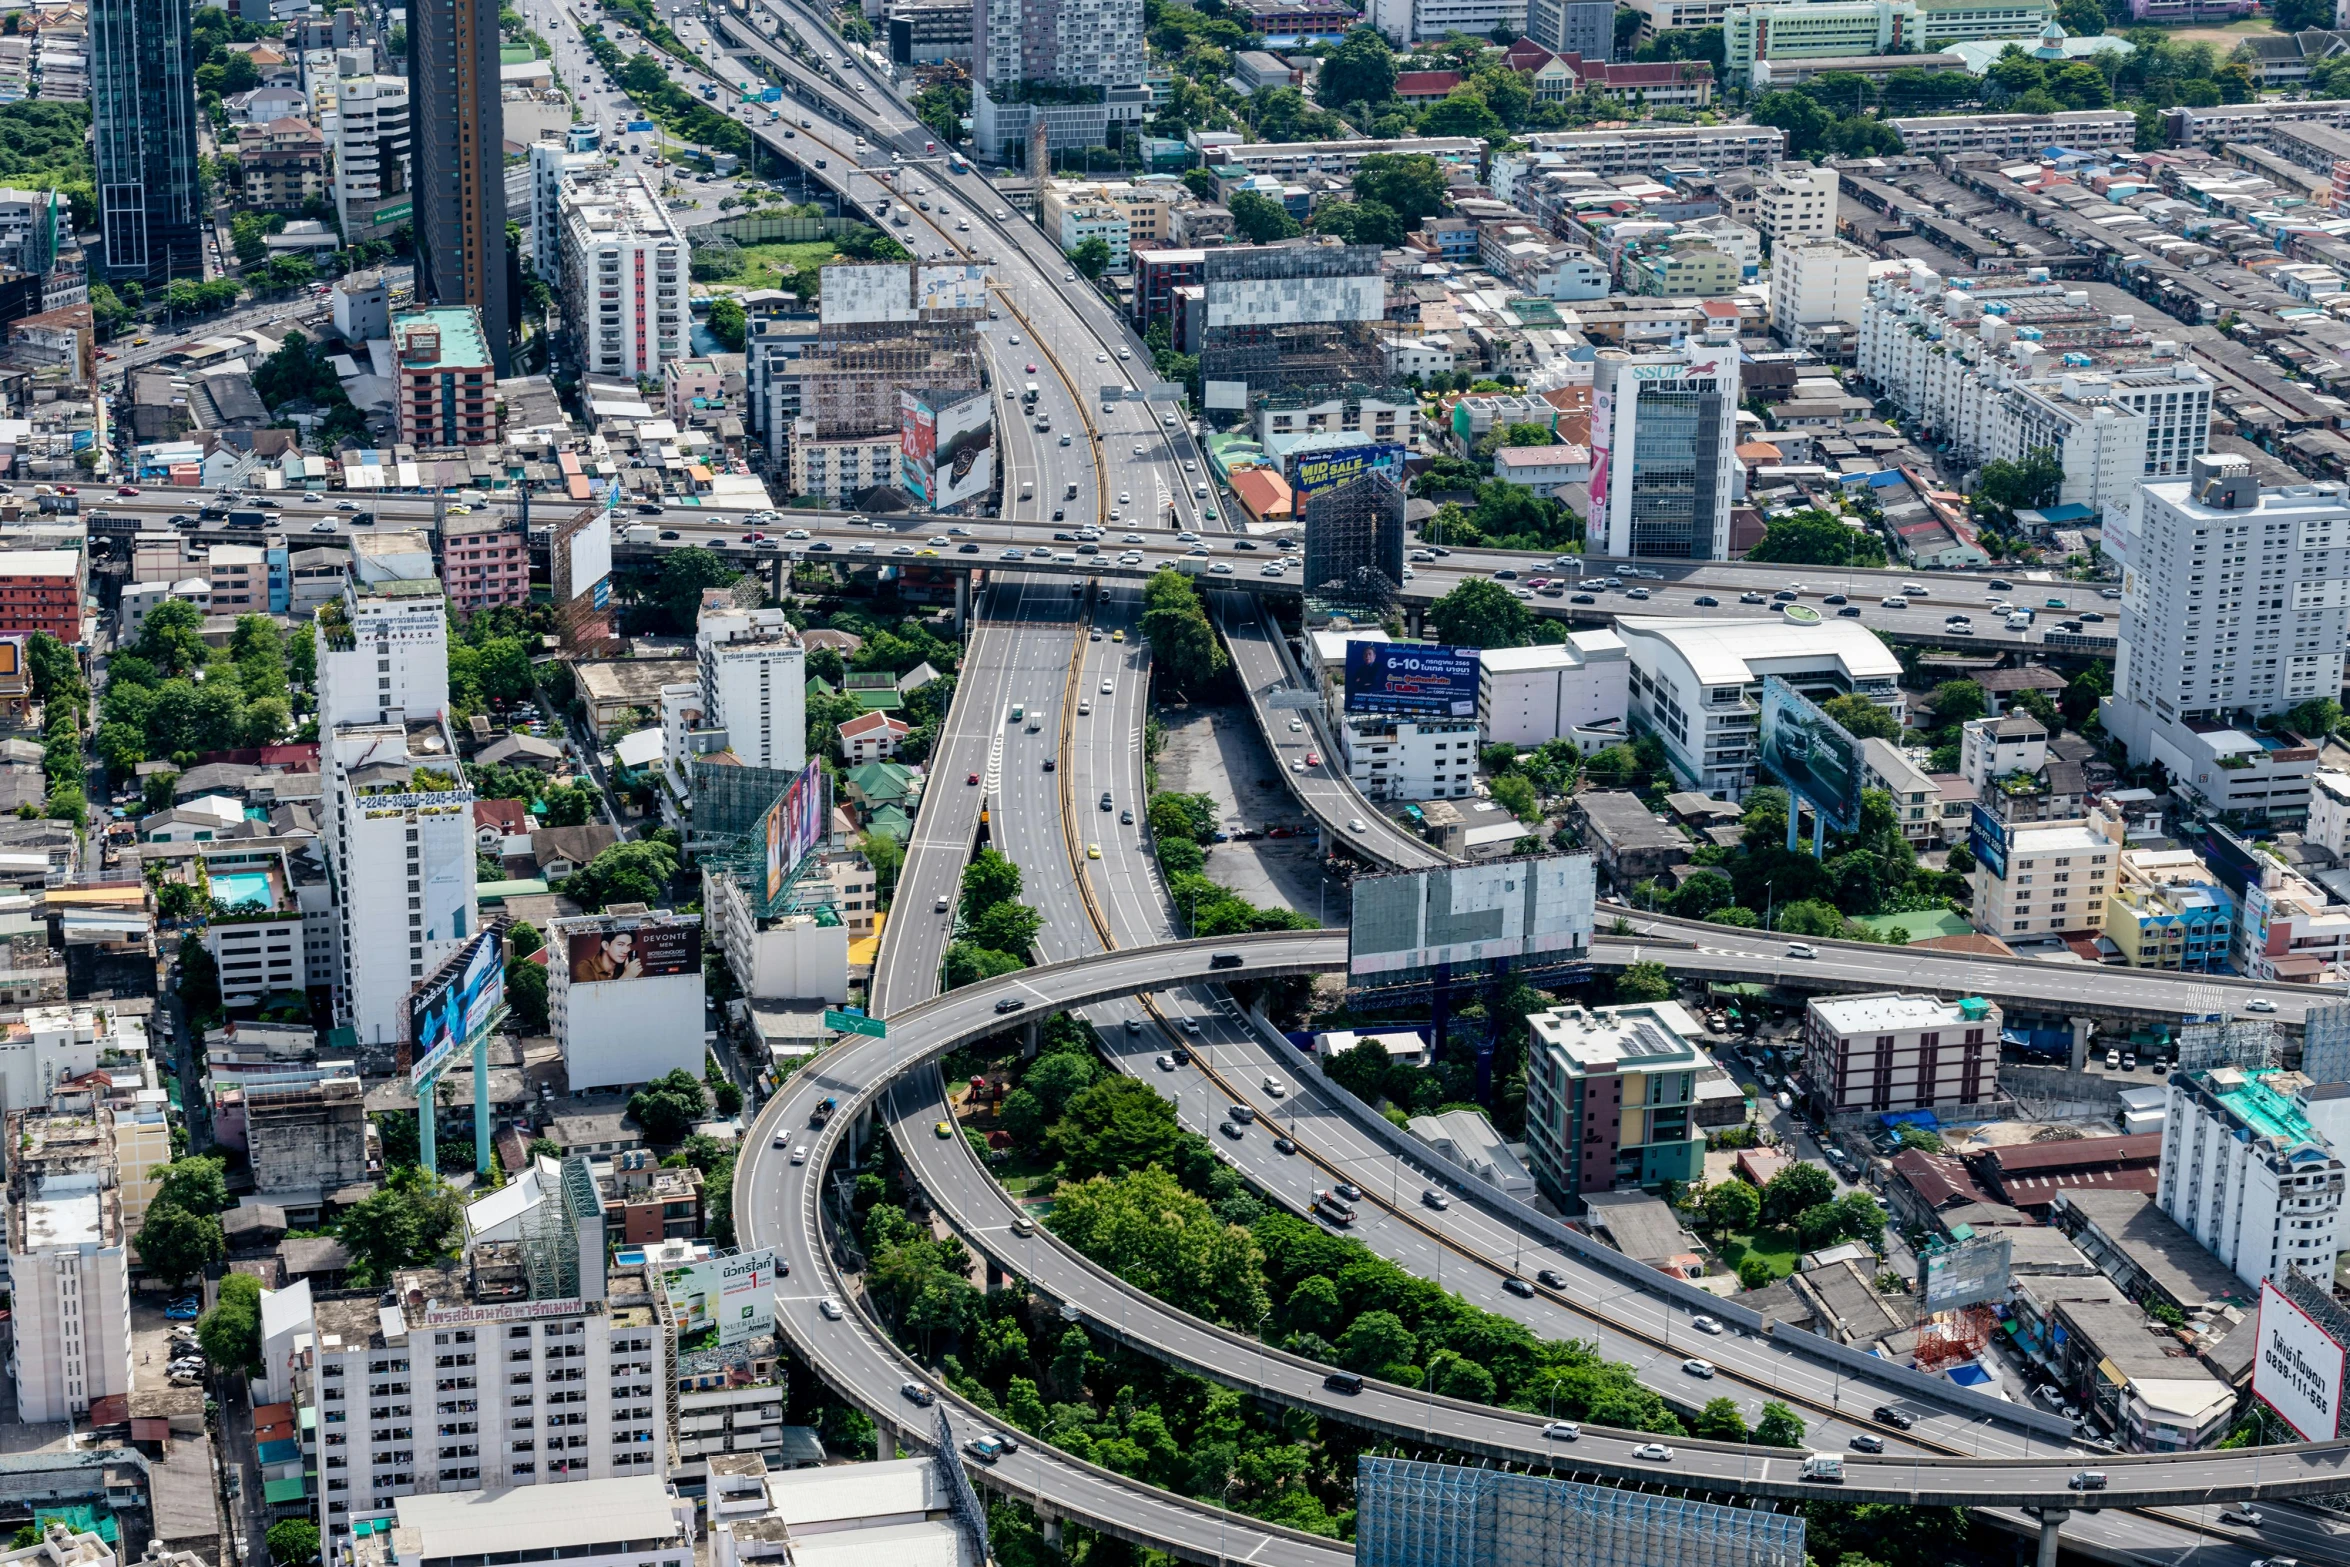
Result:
[462,346]
[889,822]
[882,701]
[2262,1108]
[880,780]
[287,1490]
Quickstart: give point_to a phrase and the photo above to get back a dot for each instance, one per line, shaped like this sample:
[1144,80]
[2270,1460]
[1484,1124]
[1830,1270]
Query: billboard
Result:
[1224,394]
[1411,677]
[734,1294]
[632,950]
[795,825]
[918,448]
[1603,437]
[1986,840]
[455,1003]
[2297,1367]
[591,554]
[1540,905]
[958,287]
[1290,301]
[966,450]
[1310,475]
[851,292]
[1811,753]
[1969,1274]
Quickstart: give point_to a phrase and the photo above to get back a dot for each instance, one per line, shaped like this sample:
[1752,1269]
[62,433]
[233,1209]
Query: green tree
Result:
[1117,1124]
[1794,1189]
[1184,645]
[1816,538]
[1461,112]
[1091,258]
[666,1108]
[2004,488]
[1732,1205]
[1143,1226]
[1378,1344]
[1412,185]
[1958,701]
[991,878]
[1259,219]
[638,871]
[176,1245]
[526,995]
[1719,1421]
[1860,1218]
[230,1333]
[412,1219]
[967,963]
[1515,794]
[197,1184]
[1360,70]
[727,323]
[1480,613]
[1779,1426]
[1644,982]
[293,1542]
[1007,927]
[1754,1273]
[1862,718]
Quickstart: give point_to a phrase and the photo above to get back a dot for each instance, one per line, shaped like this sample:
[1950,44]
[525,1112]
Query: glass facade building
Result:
[143,115]
[1411,1514]
[457,138]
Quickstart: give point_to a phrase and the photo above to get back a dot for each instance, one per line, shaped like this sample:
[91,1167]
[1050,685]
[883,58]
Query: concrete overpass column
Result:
[962,603]
[2083,1030]
[885,1448]
[995,1276]
[2050,1522]
[1050,1526]
[1031,1036]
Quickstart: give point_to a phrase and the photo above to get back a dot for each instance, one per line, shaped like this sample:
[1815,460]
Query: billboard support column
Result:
[427,1154]
[481,1103]
[1439,1010]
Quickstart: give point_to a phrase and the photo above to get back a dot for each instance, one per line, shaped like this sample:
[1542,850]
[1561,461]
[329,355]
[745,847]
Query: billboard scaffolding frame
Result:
[1415,1514]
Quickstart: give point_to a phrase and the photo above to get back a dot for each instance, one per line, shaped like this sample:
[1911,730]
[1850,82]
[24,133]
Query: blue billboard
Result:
[1411,678]
[1310,474]
[1813,755]
[1987,840]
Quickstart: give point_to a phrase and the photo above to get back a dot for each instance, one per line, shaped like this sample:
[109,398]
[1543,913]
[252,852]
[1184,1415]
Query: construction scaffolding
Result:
[550,1233]
[2325,1042]
[1953,1338]
[1411,1514]
[731,803]
[1354,545]
[2245,1043]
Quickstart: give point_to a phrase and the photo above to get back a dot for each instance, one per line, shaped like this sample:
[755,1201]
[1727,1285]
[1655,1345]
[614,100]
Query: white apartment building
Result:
[54,1044]
[68,1262]
[1917,799]
[1392,758]
[2015,135]
[1795,201]
[842,468]
[2000,370]
[527,1363]
[1816,282]
[1991,748]
[2042,878]
[2245,1173]
[1697,685]
[754,684]
[383,652]
[366,123]
[623,268]
[551,165]
[1664,435]
[142,1147]
[1529,695]
[1073,213]
[2329,812]
[1892,1052]
[1407,22]
[2235,600]
[2289,931]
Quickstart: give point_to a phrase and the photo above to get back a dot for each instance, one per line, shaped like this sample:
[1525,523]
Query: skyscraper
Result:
[143,110]
[1664,428]
[457,136]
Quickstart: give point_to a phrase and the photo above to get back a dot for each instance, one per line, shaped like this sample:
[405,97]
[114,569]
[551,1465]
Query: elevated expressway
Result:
[1012,651]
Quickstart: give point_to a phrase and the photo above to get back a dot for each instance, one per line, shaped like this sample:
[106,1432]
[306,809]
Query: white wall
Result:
[72,1329]
[628,1030]
[798,959]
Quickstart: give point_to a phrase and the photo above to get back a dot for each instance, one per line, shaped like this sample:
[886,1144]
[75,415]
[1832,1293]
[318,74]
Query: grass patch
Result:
[779,264]
[1774,1246]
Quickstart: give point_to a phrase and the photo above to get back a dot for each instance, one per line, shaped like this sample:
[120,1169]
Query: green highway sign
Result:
[855,1023]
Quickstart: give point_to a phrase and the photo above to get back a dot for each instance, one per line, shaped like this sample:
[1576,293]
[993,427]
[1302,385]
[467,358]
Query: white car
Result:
[2260,1004]
[1068,277]
[1297,726]
[1705,1324]
[1222,568]
[1276,1087]
[1108,686]
[799,1155]
[1357,824]
[1163,1063]
[797,533]
[1101,359]
[1698,1368]
[830,1308]
[1124,499]
[1655,1452]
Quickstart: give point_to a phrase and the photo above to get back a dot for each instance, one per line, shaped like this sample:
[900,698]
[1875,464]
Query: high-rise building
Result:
[1580,27]
[1354,543]
[143,114]
[755,684]
[448,378]
[2235,601]
[2245,1173]
[396,824]
[457,134]
[552,165]
[1610,1096]
[623,272]
[1074,67]
[68,1267]
[527,1362]
[1292,316]
[1664,428]
[1819,286]
[367,130]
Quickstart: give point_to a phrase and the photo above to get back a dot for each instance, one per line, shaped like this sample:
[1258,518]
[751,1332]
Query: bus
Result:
[956,164]
[1329,1205]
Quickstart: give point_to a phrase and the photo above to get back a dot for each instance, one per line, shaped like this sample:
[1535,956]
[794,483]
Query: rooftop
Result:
[537,1521]
[1639,1038]
[1892,1012]
[2248,1097]
[1726,652]
[461,345]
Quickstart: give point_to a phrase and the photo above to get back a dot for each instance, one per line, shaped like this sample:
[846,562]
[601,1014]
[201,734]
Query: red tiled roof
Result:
[2073,1153]
[858,728]
[1426,84]
[1937,1178]
[508,816]
[2038,1191]
[1667,74]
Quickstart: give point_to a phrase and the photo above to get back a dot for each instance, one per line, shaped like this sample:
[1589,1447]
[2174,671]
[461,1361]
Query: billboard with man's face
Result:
[614,951]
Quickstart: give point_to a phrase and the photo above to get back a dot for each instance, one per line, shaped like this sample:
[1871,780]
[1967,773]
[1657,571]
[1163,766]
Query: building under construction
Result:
[1291,316]
[1354,545]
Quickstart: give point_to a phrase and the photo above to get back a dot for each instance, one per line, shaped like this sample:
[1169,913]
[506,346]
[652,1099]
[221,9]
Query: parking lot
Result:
[1215,750]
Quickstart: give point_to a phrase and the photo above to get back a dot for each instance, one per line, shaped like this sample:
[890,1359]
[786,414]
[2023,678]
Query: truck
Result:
[1329,1205]
[1824,1469]
[248,519]
[899,217]
[823,1111]
[1027,489]
[640,533]
[1028,394]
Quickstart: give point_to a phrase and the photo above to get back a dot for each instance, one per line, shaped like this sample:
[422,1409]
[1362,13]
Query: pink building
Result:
[484,563]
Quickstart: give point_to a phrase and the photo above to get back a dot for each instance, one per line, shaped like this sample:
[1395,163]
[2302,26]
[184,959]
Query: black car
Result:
[1181,1055]
[1518,1287]
[1552,1278]
[1835,598]
[1230,1130]
[1851,611]
[1505,575]
[1706,601]
[1284,1145]
[1048,764]
[670,535]
[1244,544]
[1785,596]
[1582,598]
[966,549]
[1898,1419]
[1010,1004]
[1064,538]
[647,509]
[1997,586]
[1059,513]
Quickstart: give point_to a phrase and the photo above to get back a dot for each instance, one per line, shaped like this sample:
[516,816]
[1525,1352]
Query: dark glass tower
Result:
[143,109]
[457,144]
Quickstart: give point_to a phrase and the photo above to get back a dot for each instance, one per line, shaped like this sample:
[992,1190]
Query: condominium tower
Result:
[458,139]
[143,115]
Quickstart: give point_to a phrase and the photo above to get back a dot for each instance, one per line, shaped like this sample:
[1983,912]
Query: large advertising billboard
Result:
[635,950]
[591,554]
[966,450]
[956,287]
[1812,754]
[1603,437]
[1969,1274]
[851,292]
[795,826]
[1533,907]
[1986,839]
[1411,677]
[1319,471]
[734,1294]
[457,1002]
[2297,1367]
[917,448]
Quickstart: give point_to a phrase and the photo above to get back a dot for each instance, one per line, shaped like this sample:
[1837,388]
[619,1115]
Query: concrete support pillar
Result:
[1031,1036]
[2083,1030]
[885,1443]
[1050,1527]
[775,578]
[861,1129]
[481,1103]
[2050,1523]
[962,603]
[424,1128]
[995,1276]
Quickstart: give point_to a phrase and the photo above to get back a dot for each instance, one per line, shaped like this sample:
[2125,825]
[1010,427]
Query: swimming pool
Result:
[242,887]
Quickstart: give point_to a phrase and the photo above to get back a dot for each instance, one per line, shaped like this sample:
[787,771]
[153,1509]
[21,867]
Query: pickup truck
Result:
[823,1111]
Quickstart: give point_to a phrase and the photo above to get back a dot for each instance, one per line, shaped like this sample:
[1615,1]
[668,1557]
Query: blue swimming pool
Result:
[242,887]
